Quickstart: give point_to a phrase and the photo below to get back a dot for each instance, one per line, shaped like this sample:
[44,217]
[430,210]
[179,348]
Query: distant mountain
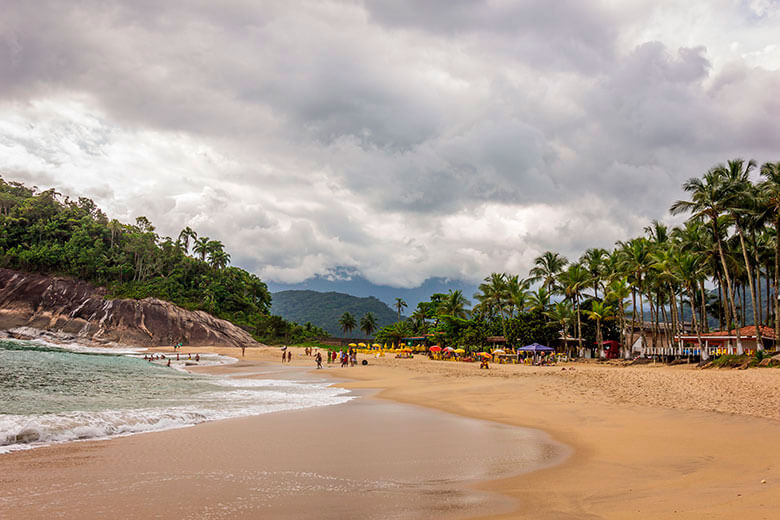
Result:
[324,309]
[345,280]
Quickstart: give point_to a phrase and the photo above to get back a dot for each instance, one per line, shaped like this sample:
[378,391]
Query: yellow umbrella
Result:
[376,345]
[361,344]
[352,345]
[460,350]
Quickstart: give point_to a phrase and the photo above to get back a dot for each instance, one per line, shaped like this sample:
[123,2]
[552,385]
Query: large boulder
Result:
[75,308]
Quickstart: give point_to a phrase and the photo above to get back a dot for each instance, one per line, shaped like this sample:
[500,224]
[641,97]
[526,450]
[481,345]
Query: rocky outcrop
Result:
[76,310]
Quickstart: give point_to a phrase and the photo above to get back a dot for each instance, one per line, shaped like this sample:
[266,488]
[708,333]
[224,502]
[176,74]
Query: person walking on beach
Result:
[289,356]
[318,359]
[284,356]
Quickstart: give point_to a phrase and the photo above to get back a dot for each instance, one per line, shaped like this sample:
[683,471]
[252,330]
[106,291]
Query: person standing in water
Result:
[318,359]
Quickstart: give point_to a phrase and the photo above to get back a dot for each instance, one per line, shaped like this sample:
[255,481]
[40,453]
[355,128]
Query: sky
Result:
[389,142]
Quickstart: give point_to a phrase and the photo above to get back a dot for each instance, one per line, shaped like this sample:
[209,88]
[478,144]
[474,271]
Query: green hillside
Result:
[325,309]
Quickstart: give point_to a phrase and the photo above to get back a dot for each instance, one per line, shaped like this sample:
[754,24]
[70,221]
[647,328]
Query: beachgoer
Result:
[318,358]
[169,362]
[197,357]
[177,356]
[243,350]
[289,356]
[284,356]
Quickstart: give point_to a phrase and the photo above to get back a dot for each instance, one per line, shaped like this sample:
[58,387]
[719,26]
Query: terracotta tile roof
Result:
[745,332]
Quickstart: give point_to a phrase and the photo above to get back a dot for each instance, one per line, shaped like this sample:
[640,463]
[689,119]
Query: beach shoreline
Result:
[413,478]
[651,441]
[638,450]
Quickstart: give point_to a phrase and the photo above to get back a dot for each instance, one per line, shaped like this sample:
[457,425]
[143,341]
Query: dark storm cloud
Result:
[314,134]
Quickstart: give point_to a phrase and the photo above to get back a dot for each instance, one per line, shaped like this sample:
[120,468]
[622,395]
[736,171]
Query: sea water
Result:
[51,394]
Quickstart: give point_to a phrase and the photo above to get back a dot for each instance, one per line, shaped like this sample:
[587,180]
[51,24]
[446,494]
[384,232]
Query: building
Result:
[725,341]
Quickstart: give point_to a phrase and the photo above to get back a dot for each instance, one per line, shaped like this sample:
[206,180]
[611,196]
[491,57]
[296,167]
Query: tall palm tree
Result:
[562,313]
[593,261]
[547,267]
[184,238]
[618,292]
[740,207]
[201,247]
[637,260]
[347,323]
[399,305]
[710,196]
[599,312]
[689,270]
[454,304]
[368,324]
[539,299]
[516,294]
[770,194]
[574,280]
[492,297]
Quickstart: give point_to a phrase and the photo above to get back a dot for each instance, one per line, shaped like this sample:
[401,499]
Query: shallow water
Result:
[51,394]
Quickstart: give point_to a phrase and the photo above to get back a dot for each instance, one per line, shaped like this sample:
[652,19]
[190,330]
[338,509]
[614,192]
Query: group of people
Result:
[345,357]
[160,357]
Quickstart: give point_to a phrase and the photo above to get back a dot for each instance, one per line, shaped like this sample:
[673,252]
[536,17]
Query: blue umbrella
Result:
[535,347]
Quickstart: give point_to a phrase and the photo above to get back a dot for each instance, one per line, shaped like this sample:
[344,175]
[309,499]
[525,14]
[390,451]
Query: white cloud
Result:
[395,140]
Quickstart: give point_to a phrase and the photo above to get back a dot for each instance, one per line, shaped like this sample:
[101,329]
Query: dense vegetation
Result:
[45,232]
[325,310]
[731,241]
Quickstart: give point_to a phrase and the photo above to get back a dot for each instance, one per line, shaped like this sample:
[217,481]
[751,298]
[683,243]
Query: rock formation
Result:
[76,310]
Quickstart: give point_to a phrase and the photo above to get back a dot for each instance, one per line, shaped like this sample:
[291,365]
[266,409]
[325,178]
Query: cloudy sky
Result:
[395,140]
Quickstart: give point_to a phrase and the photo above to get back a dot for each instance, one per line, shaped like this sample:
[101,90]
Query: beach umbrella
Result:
[449,349]
[460,350]
[406,350]
[499,351]
[485,354]
[352,345]
[361,344]
[435,348]
[376,345]
[535,347]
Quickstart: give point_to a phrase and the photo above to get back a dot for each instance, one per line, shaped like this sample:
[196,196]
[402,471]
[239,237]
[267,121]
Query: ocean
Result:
[51,394]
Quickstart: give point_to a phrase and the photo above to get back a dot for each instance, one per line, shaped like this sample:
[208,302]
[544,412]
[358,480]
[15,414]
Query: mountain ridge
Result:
[324,309]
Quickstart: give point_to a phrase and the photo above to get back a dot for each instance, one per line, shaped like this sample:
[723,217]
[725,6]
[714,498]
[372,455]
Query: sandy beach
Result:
[646,442]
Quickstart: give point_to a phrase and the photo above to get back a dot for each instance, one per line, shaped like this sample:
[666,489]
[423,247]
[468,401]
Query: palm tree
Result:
[516,293]
[574,280]
[740,207]
[184,238]
[219,259]
[547,267]
[418,317]
[492,297]
[770,195]
[201,247]
[347,323]
[637,260]
[400,304]
[689,270]
[454,304]
[599,311]
[539,299]
[593,261]
[562,313]
[368,324]
[618,292]
[710,196]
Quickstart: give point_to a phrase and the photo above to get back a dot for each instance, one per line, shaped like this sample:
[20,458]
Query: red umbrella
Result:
[435,348]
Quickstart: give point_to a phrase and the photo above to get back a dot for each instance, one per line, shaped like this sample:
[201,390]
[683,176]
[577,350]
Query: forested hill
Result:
[44,232]
[325,309]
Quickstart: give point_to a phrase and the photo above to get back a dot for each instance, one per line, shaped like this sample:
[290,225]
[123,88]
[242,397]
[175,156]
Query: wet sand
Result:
[648,442]
[364,459]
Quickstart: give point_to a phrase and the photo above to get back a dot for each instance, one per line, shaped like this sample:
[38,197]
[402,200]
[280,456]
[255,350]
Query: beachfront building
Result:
[725,341]
[658,338]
